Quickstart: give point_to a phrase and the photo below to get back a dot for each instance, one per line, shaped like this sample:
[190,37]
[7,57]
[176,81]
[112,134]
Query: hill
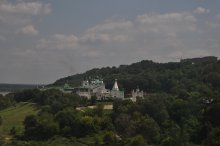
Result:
[181,107]
[15,87]
[156,77]
[14,116]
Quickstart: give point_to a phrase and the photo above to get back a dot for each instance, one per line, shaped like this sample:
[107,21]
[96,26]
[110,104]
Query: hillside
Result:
[181,107]
[14,116]
[16,87]
[156,77]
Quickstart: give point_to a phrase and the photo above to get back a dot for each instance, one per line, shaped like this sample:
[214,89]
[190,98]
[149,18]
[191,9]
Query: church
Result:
[96,87]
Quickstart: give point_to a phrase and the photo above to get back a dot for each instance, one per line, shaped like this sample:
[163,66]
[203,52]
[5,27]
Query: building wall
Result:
[137,93]
[117,94]
[86,94]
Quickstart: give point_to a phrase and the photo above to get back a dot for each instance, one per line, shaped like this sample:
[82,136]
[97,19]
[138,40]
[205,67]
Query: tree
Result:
[109,138]
[106,124]
[41,127]
[31,126]
[98,110]
[150,106]
[13,130]
[6,101]
[138,141]
[93,100]
[212,114]
[69,122]
[213,137]
[213,78]
[180,110]
[123,125]
[0,120]
[148,128]
[171,134]
[87,125]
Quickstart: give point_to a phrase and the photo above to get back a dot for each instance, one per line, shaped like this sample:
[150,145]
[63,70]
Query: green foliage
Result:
[98,110]
[213,137]
[40,127]
[212,114]
[148,128]
[176,78]
[55,99]
[14,116]
[150,106]
[181,108]
[87,125]
[213,78]
[27,94]
[0,120]
[171,134]
[68,121]
[158,119]
[137,141]
[106,124]
[109,138]
[62,141]
[6,101]
[13,130]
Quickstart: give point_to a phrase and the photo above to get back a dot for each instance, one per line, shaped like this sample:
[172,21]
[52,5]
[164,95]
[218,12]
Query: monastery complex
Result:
[96,87]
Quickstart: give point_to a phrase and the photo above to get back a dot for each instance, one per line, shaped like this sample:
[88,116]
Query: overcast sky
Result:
[44,40]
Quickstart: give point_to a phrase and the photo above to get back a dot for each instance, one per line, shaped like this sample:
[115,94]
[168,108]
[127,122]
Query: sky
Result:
[44,40]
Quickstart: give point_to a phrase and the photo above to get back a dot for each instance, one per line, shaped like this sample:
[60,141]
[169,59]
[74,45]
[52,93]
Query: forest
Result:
[181,108]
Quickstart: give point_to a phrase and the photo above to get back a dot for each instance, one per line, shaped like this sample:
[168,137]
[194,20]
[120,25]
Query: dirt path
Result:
[108,107]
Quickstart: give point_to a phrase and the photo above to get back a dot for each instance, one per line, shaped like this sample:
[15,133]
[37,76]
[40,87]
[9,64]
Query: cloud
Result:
[151,25]
[120,38]
[28,30]
[190,53]
[213,23]
[154,36]
[148,33]
[95,38]
[2,38]
[218,16]
[169,23]
[58,42]
[19,17]
[107,32]
[33,8]
[201,10]
[111,25]
[12,20]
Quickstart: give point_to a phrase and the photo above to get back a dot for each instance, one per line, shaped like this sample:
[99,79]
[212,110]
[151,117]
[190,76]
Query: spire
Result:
[115,87]
[137,90]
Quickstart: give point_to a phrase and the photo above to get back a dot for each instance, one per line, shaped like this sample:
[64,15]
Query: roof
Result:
[115,87]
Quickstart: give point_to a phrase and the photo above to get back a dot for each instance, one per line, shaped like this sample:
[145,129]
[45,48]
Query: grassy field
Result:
[14,116]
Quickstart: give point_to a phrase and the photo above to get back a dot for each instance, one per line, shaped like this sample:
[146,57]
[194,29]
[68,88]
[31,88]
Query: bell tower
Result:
[115,87]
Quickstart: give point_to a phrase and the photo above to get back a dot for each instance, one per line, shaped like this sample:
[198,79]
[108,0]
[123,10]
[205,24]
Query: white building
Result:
[115,92]
[96,87]
[136,93]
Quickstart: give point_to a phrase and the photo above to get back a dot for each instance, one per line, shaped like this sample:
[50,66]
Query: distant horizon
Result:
[21,84]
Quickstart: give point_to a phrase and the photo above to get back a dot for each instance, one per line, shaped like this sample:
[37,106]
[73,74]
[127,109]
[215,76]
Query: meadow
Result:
[14,117]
